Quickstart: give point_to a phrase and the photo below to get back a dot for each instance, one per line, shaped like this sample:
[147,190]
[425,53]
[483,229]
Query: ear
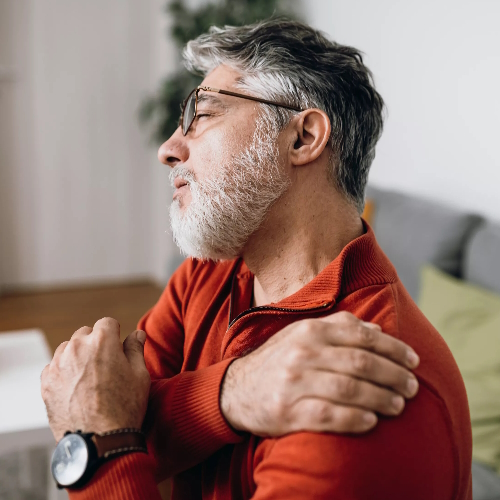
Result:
[312,132]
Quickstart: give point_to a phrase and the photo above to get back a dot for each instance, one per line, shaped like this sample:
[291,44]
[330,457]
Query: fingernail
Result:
[398,403]
[369,419]
[412,358]
[412,386]
[141,336]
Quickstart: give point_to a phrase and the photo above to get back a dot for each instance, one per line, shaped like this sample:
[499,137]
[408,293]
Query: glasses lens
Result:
[189,112]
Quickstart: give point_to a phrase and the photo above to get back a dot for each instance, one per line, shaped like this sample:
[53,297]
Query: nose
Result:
[174,150]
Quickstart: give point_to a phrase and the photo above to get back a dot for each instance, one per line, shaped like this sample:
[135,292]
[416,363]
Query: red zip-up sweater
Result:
[203,320]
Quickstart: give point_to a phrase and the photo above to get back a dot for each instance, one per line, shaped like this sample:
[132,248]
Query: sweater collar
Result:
[361,263]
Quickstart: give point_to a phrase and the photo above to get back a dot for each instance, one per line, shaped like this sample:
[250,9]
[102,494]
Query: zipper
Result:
[280,309]
[265,308]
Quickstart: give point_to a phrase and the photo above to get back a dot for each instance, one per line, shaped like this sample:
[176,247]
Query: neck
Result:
[290,249]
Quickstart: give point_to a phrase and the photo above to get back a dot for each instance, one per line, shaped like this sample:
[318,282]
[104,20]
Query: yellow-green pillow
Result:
[468,318]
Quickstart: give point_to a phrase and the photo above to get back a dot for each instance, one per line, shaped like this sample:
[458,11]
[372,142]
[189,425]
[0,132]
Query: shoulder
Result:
[390,306]
[375,303]
[411,456]
[442,401]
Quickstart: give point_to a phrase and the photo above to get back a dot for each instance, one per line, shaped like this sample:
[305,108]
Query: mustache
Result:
[181,171]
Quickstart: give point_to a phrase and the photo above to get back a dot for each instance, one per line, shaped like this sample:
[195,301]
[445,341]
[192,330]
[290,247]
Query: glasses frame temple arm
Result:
[251,98]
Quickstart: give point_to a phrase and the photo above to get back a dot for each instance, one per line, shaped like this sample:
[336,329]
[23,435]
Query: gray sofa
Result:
[413,231]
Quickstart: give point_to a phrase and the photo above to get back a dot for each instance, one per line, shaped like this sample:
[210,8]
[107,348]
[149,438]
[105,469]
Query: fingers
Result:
[108,325]
[106,335]
[133,348]
[104,330]
[344,390]
[82,332]
[318,415]
[367,366]
[350,331]
[396,350]
[60,349]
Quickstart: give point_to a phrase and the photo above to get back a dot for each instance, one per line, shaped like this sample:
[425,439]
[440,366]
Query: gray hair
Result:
[291,62]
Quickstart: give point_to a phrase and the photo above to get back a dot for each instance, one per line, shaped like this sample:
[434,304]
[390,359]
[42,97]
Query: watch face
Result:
[69,460]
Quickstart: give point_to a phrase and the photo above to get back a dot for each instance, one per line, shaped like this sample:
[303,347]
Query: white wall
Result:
[437,65]
[82,196]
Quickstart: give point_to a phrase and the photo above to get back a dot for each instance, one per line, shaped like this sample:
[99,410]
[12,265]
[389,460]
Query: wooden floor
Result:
[61,312]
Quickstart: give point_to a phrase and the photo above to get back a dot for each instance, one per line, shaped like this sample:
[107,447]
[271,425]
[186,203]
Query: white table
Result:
[23,419]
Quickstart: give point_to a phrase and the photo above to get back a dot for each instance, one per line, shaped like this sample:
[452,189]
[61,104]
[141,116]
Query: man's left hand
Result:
[95,383]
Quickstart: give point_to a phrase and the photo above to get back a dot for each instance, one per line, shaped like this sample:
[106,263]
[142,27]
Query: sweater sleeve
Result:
[411,456]
[125,478]
[184,424]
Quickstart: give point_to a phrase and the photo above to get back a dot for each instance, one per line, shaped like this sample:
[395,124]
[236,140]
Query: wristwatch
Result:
[78,455]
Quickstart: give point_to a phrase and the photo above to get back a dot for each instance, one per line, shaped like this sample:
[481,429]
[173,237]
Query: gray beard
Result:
[226,209]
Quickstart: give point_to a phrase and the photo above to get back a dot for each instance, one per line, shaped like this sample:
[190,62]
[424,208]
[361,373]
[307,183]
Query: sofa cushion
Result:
[413,231]
[482,257]
[468,318]
[485,483]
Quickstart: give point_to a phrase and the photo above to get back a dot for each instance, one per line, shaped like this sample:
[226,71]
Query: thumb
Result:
[133,348]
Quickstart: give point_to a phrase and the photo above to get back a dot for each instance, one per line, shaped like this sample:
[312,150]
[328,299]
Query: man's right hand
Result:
[321,375]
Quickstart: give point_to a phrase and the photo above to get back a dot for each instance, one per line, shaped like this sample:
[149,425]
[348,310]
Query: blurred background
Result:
[89,89]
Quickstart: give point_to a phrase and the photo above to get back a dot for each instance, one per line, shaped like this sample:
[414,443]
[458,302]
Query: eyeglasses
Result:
[190,105]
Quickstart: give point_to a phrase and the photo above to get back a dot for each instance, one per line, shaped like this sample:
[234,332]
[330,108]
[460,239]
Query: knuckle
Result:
[367,336]
[316,412]
[297,355]
[347,387]
[361,361]
[290,375]
[60,349]
[345,317]
[315,332]
[323,413]
[83,329]
[305,328]
[108,321]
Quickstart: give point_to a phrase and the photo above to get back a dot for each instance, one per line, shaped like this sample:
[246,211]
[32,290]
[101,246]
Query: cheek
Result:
[209,154]
[217,149]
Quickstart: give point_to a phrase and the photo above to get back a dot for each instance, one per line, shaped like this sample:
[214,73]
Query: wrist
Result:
[78,455]
[228,397]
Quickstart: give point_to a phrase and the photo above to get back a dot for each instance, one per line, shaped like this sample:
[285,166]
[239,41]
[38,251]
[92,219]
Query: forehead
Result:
[222,77]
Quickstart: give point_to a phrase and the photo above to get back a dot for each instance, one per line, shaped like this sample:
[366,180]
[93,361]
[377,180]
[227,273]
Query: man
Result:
[266,351]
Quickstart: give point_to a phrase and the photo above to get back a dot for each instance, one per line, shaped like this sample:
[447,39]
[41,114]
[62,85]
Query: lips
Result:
[179,182]
[180,186]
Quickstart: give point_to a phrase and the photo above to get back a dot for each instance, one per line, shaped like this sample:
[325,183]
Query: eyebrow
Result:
[211,99]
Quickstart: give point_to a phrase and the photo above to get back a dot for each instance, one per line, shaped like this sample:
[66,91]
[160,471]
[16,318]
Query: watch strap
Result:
[119,442]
